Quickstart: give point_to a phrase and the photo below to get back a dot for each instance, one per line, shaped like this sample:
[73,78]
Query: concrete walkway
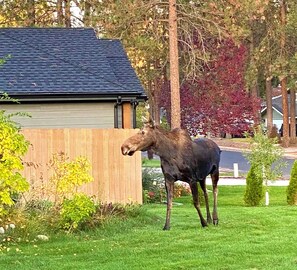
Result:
[229,181]
[233,181]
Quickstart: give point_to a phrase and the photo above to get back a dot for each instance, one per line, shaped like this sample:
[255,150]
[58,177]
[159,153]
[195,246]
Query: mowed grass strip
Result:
[246,238]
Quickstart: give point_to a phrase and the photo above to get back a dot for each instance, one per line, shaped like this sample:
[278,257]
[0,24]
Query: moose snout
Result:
[124,149]
[127,149]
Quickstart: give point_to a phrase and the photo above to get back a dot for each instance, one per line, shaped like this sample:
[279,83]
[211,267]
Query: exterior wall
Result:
[64,115]
[277,119]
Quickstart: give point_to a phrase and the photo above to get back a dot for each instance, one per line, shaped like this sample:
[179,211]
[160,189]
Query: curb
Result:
[242,182]
[289,154]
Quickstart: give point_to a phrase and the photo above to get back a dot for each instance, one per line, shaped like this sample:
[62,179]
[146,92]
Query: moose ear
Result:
[151,122]
[147,118]
[144,119]
[148,121]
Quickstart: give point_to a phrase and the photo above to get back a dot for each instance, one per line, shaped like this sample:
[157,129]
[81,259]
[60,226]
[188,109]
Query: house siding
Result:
[64,115]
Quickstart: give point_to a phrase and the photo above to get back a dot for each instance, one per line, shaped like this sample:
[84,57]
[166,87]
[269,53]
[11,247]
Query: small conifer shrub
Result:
[292,187]
[254,191]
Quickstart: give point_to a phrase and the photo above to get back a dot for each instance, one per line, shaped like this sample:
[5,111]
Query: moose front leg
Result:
[169,191]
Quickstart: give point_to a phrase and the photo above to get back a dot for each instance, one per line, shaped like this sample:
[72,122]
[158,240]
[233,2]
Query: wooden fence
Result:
[117,178]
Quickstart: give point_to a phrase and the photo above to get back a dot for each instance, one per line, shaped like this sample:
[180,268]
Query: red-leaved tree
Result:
[217,102]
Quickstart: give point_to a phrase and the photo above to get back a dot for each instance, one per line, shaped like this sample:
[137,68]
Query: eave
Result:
[84,97]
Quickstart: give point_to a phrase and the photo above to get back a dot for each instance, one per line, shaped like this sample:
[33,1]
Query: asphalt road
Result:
[228,158]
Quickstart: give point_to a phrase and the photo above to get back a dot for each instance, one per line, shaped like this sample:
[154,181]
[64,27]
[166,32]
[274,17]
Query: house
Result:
[277,111]
[68,78]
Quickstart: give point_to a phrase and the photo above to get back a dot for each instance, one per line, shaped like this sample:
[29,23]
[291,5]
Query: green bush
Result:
[182,189]
[153,186]
[266,162]
[60,204]
[68,175]
[13,147]
[254,191]
[292,188]
[76,211]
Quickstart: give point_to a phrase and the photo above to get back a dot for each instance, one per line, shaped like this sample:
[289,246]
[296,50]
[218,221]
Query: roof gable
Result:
[64,61]
[278,106]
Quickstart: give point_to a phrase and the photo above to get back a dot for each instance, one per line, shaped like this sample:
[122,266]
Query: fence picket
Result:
[117,178]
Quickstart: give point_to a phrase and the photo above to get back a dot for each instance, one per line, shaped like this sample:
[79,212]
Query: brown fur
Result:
[181,159]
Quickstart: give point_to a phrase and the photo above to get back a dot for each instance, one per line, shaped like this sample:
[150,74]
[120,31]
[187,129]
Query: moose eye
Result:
[142,132]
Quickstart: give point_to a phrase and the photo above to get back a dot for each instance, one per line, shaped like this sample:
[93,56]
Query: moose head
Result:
[143,140]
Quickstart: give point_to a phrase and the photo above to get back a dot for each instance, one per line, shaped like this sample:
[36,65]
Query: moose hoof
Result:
[166,228]
[204,223]
[216,222]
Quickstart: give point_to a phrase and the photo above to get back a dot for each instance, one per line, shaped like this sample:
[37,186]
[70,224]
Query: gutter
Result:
[75,97]
[116,111]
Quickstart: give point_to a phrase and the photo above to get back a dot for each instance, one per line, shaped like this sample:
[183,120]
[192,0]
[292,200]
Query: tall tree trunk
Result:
[174,66]
[286,137]
[87,14]
[268,92]
[293,115]
[283,79]
[67,13]
[254,89]
[60,12]
[31,13]
[157,91]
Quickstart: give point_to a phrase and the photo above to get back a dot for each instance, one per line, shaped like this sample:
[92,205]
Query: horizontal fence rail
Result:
[117,178]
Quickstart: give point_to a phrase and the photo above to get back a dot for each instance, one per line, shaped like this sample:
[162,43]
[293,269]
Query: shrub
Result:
[254,191]
[61,204]
[153,186]
[264,153]
[13,147]
[182,189]
[68,175]
[106,212]
[76,211]
[292,187]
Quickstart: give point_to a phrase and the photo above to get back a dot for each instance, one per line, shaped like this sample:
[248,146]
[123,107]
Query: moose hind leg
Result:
[169,192]
[204,189]
[194,190]
[215,179]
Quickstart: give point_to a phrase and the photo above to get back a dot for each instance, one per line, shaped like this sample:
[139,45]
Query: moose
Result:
[181,159]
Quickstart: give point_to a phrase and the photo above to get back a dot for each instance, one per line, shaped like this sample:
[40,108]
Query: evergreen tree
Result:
[292,188]
[254,191]
[264,153]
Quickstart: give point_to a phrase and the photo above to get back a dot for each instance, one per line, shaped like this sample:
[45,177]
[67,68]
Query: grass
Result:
[151,163]
[246,238]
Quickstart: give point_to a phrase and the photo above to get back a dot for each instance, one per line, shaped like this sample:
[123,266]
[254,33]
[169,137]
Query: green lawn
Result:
[151,163]
[246,238]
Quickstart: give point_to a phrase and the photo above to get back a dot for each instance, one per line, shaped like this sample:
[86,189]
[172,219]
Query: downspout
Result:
[134,105]
[116,112]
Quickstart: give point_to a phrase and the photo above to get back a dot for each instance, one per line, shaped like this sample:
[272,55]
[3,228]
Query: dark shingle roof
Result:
[64,61]
[277,104]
